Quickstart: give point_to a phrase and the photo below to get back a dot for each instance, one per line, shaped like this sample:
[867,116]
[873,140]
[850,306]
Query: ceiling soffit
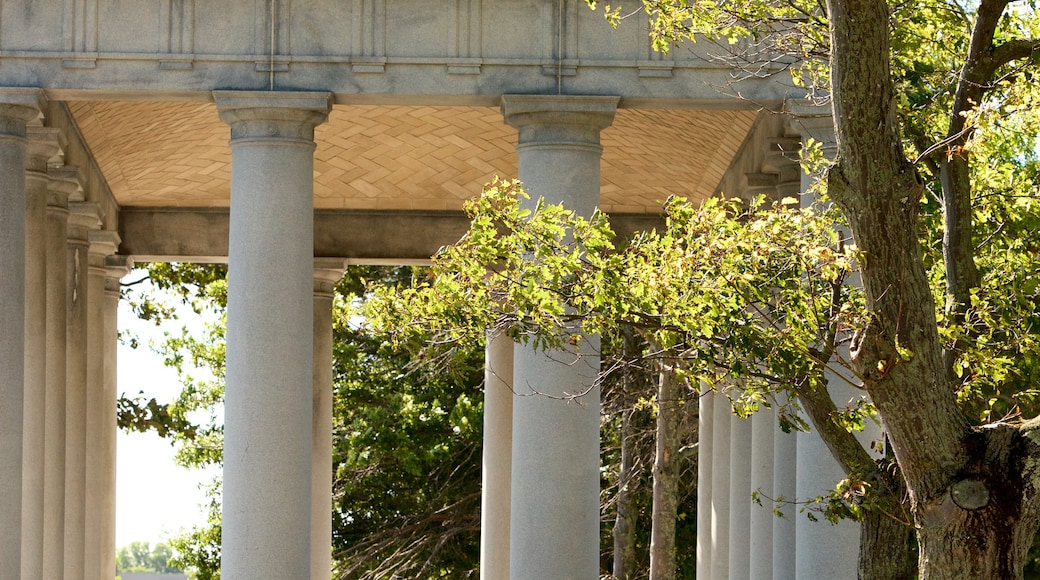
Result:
[402,157]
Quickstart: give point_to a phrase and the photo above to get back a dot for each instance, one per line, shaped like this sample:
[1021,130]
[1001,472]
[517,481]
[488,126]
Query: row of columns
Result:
[58,298]
[275,481]
[544,422]
[739,538]
[58,302]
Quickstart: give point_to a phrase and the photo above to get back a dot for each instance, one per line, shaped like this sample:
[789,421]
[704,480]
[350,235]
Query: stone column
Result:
[785,460]
[327,272]
[43,145]
[101,409]
[116,267]
[705,452]
[823,550]
[554,516]
[739,498]
[270,333]
[83,217]
[496,463]
[57,339]
[17,107]
[763,426]
[722,414]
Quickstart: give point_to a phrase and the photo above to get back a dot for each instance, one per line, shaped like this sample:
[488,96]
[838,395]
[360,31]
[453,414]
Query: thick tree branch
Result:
[898,355]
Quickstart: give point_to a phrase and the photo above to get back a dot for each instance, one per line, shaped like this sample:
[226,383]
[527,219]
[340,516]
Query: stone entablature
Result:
[461,52]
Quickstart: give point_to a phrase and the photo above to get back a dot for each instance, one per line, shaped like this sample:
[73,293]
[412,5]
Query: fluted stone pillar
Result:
[57,341]
[83,217]
[705,451]
[496,463]
[17,107]
[100,410]
[116,268]
[763,428]
[722,414]
[327,272]
[43,145]
[739,498]
[270,344]
[554,517]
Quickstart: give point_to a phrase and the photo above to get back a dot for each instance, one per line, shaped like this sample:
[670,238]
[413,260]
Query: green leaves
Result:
[733,290]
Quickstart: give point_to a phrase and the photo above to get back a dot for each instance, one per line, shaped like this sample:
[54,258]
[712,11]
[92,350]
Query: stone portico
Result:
[290,139]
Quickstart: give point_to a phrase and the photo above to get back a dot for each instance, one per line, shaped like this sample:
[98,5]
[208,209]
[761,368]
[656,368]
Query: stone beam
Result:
[362,236]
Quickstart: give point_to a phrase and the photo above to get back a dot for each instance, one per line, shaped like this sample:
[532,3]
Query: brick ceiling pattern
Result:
[395,157]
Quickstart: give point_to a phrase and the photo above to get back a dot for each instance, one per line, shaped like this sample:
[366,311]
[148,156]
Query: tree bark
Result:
[625,523]
[971,490]
[666,477]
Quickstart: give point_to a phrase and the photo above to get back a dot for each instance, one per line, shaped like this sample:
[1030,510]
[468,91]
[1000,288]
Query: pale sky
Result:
[155,498]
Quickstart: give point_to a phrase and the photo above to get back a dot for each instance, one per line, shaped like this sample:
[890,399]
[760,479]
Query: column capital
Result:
[45,144]
[116,267]
[273,114]
[83,217]
[18,106]
[66,180]
[327,273]
[559,119]
[812,120]
[103,243]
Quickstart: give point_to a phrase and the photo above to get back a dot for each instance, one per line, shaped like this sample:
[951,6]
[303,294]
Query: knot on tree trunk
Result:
[873,354]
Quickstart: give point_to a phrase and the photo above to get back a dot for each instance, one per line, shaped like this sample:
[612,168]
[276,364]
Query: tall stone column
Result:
[17,107]
[270,333]
[823,550]
[83,218]
[327,272]
[57,342]
[722,414]
[739,498]
[116,267]
[496,463]
[554,516]
[43,145]
[101,407]
[785,461]
[763,427]
[705,451]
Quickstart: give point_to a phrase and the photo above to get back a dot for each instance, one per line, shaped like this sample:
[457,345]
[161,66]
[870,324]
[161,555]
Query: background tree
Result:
[143,557]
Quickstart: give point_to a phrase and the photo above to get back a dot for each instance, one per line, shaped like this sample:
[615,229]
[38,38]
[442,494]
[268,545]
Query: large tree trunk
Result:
[970,491]
[625,523]
[666,477]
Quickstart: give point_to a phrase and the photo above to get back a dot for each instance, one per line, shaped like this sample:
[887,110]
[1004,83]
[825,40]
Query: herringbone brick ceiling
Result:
[397,157]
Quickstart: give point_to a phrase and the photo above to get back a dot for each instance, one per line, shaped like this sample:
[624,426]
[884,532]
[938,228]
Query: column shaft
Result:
[55,424]
[43,144]
[116,267]
[554,516]
[785,460]
[763,427]
[268,413]
[100,410]
[822,550]
[496,464]
[83,218]
[327,272]
[705,452]
[17,107]
[720,488]
[740,498]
